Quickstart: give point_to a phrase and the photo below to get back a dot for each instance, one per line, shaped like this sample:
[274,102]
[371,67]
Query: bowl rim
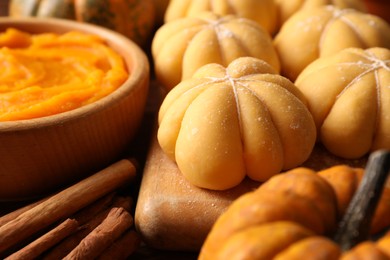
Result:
[137,69]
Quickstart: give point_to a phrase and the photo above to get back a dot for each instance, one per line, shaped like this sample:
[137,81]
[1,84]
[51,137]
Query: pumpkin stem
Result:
[355,225]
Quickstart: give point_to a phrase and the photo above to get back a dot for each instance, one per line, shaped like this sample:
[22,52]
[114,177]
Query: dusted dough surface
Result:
[264,12]
[182,46]
[349,96]
[288,7]
[313,33]
[226,123]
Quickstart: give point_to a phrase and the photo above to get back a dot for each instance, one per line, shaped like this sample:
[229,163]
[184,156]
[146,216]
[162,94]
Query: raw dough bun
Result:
[182,46]
[323,31]
[226,123]
[349,96]
[289,7]
[264,12]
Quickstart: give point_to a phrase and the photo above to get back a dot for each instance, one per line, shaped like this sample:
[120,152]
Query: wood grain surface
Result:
[173,214]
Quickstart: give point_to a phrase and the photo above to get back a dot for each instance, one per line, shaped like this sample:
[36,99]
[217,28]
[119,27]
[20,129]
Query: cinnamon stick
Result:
[122,247]
[67,245]
[103,236]
[46,241]
[65,203]
[14,214]
[86,214]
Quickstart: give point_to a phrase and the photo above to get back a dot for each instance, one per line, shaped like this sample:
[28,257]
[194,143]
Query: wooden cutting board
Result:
[173,214]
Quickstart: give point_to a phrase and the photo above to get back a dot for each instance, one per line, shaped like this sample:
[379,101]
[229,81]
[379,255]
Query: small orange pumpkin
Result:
[292,205]
[132,18]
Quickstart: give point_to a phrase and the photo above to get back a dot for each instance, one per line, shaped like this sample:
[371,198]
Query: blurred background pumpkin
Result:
[132,18]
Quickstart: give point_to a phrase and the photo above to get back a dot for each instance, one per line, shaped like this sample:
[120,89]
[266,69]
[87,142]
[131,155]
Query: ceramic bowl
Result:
[38,156]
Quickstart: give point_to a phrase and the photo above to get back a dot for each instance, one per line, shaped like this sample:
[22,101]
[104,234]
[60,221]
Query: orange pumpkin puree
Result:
[46,74]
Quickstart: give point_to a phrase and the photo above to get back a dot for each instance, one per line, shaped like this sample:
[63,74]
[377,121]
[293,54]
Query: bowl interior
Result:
[131,53]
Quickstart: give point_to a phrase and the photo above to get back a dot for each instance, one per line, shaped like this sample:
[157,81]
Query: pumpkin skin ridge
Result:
[383,244]
[311,248]
[332,176]
[228,223]
[246,244]
[379,247]
[268,208]
[365,250]
[327,207]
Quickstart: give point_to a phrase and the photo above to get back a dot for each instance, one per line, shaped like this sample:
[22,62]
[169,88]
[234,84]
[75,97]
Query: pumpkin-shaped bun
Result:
[263,12]
[226,123]
[288,7]
[182,46]
[322,31]
[349,96]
